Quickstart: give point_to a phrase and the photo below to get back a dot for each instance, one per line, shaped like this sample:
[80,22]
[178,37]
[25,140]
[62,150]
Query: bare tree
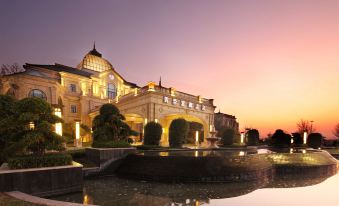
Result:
[305,126]
[336,131]
[10,69]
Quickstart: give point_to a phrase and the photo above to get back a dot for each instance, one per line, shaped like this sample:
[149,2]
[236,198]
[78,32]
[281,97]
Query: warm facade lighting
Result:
[305,137]
[145,121]
[197,137]
[136,92]
[242,137]
[156,120]
[31,125]
[241,153]
[77,134]
[58,125]
[200,99]
[172,91]
[151,86]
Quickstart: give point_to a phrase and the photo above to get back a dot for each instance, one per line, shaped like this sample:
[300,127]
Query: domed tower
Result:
[93,61]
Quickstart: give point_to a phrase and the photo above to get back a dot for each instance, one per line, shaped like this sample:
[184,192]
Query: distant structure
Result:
[222,120]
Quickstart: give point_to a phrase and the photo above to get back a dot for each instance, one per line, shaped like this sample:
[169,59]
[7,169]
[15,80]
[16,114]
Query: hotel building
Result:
[77,93]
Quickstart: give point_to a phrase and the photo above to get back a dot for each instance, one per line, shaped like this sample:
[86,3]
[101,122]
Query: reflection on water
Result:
[115,191]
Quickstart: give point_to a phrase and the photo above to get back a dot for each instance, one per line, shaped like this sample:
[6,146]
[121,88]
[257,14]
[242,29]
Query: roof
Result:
[60,68]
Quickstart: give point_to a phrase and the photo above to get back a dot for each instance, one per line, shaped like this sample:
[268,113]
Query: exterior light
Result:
[303,151]
[197,137]
[156,120]
[31,125]
[196,154]
[135,91]
[292,141]
[305,137]
[58,125]
[77,134]
[200,99]
[291,150]
[151,86]
[242,137]
[241,153]
[172,91]
[145,121]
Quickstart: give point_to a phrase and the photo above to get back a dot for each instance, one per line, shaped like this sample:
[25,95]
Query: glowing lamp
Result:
[151,86]
[197,137]
[242,137]
[58,125]
[305,137]
[31,125]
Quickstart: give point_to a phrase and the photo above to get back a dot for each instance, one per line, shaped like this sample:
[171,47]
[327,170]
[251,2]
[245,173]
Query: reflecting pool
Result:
[287,190]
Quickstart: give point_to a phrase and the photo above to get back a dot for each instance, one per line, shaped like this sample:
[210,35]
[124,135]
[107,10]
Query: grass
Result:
[6,200]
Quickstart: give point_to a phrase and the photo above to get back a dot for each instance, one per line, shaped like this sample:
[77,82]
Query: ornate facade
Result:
[79,92]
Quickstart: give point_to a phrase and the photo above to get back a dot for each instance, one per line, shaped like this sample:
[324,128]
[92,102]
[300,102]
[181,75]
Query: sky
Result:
[270,63]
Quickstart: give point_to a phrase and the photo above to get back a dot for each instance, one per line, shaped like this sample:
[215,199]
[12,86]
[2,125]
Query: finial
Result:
[160,82]
[94,45]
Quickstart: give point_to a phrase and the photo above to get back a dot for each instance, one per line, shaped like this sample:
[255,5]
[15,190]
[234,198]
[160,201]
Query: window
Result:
[111,91]
[72,88]
[73,109]
[37,93]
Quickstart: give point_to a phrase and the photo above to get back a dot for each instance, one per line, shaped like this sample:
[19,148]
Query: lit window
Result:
[73,108]
[111,91]
[37,93]
[72,88]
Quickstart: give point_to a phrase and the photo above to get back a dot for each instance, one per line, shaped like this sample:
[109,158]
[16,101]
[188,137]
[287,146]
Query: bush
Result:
[227,136]
[252,137]
[153,132]
[178,131]
[281,139]
[109,126]
[48,160]
[298,139]
[314,140]
[111,144]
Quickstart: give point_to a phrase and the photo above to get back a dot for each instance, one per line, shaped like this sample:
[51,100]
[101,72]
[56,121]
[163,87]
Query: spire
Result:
[160,82]
[94,51]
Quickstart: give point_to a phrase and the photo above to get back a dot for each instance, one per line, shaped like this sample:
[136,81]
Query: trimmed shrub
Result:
[227,136]
[252,137]
[314,140]
[111,144]
[178,131]
[298,139]
[281,139]
[48,160]
[153,132]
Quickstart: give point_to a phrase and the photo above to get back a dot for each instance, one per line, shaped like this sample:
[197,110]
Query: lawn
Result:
[6,200]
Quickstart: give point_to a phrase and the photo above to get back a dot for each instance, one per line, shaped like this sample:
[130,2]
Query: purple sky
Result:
[270,63]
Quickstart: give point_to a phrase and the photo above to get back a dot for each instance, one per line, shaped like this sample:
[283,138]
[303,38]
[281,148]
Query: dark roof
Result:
[60,68]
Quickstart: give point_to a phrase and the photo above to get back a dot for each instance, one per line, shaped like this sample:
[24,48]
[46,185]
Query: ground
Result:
[6,200]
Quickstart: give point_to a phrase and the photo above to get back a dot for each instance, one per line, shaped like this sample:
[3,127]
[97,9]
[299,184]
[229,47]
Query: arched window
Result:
[111,91]
[37,93]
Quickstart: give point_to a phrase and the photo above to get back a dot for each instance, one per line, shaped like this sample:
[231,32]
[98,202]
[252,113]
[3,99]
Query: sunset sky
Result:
[270,63]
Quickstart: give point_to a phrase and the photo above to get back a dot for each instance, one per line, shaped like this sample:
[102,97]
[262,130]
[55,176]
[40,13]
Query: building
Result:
[222,120]
[77,94]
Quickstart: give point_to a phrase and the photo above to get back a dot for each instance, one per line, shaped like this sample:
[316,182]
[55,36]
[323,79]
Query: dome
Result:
[94,61]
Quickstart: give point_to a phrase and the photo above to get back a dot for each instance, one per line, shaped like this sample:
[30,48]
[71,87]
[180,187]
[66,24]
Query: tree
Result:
[153,132]
[178,131]
[227,136]
[6,110]
[305,126]
[22,137]
[193,128]
[281,139]
[109,125]
[252,137]
[298,139]
[314,140]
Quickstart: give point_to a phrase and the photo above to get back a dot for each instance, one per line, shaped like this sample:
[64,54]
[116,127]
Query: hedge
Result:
[110,144]
[153,132]
[178,131]
[48,160]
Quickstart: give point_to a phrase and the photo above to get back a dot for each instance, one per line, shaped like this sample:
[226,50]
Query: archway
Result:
[136,123]
[165,122]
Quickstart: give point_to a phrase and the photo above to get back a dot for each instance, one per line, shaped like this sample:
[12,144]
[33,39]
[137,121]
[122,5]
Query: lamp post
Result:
[242,137]
[78,142]
[58,125]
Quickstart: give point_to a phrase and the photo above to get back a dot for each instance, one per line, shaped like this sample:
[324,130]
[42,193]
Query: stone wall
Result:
[43,182]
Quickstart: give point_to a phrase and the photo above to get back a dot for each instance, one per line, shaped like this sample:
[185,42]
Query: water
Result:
[288,190]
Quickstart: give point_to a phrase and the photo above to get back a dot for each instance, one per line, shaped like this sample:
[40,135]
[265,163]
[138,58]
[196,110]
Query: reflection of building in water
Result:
[222,120]
[79,92]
